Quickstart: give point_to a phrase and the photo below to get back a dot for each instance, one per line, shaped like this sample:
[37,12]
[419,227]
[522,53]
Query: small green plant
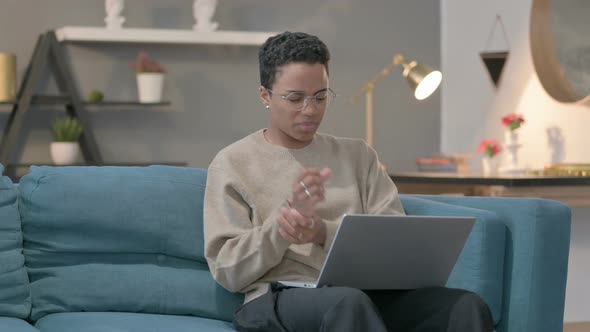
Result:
[66,129]
[96,96]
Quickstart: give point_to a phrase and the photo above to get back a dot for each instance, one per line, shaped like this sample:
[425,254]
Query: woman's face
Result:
[290,127]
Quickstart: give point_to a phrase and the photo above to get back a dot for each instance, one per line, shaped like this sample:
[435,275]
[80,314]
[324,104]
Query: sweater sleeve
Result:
[237,252]
[381,194]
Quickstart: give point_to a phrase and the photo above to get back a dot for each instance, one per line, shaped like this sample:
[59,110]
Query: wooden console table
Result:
[573,191]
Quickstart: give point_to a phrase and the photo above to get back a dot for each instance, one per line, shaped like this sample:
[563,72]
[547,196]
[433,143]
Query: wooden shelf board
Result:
[161,36]
[64,100]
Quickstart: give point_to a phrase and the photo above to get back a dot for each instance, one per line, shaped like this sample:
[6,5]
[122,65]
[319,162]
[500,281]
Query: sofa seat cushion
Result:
[128,322]
[10,324]
[15,299]
[480,267]
[119,239]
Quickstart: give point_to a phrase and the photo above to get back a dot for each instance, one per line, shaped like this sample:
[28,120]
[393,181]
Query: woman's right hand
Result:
[308,190]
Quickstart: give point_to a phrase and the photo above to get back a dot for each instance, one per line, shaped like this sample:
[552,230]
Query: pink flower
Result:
[143,64]
[513,121]
[490,147]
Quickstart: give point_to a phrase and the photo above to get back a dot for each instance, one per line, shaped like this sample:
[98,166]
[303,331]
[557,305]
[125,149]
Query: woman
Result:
[275,198]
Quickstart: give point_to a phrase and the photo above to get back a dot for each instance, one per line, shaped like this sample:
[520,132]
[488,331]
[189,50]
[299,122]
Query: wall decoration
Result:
[560,49]
[494,61]
[203,11]
[114,8]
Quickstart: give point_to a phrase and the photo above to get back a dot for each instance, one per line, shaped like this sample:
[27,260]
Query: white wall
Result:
[472,109]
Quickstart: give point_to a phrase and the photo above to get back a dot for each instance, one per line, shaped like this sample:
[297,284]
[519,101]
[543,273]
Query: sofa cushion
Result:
[126,239]
[10,324]
[14,282]
[480,266]
[128,322]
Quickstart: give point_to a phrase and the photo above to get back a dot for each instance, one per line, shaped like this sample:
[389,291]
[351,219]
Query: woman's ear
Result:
[264,96]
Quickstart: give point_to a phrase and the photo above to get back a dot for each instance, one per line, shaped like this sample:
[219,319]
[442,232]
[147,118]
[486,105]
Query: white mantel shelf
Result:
[160,36]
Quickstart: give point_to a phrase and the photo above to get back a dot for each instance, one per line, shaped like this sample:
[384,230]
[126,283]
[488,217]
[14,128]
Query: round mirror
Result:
[560,46]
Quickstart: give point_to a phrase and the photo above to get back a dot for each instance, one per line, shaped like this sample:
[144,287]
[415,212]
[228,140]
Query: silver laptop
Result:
[392,252]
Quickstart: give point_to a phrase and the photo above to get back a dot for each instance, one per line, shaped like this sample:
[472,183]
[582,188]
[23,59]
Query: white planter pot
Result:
[150,87]
[489,165]
[65,153]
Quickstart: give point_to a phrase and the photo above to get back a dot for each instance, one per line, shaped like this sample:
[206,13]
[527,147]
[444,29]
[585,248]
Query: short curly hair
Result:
[286,48]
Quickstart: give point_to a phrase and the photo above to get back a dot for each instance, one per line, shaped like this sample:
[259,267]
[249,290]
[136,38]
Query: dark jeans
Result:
[345,309]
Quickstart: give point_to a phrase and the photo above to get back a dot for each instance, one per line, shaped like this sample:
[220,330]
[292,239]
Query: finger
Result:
[307,181]
[286,225]
[317,198]
[316,175]
[306,172]
[310,184]
[282,219]
[301,225]
[309,170]
[325,174]
[316,189]
[287,237]
[300,219]
[314,195]
[312,178]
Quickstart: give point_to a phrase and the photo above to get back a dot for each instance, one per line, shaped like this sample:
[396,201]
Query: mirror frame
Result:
[545,60]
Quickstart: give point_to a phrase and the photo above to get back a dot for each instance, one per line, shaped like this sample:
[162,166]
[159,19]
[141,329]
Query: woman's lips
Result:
[308,126]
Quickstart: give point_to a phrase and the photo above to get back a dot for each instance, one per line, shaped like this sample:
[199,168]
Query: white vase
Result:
[510,137]
[150,87]
[64,153]
[489,165]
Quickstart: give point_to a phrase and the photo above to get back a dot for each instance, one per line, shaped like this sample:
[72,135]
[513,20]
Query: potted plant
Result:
[150,78]
[490,148]
[65,148]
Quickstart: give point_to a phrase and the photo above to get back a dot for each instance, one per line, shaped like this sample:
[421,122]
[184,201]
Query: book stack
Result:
[437,164]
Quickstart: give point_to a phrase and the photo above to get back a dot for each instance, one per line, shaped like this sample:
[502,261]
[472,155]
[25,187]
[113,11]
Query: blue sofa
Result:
[107,249]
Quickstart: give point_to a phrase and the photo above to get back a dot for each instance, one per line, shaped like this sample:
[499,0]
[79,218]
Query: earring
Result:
[267,107]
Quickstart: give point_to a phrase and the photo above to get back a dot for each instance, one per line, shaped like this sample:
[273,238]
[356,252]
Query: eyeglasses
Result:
[297,100]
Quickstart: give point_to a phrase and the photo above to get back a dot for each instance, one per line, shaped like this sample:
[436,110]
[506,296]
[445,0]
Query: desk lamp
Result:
[422,80]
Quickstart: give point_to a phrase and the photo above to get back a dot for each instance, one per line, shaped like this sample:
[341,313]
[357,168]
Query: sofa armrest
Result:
[480,266]
[536,262]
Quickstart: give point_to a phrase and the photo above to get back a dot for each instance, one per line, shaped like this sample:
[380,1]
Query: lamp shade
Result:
[422,79]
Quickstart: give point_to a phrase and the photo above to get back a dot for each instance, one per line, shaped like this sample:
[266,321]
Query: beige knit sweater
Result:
[251,179]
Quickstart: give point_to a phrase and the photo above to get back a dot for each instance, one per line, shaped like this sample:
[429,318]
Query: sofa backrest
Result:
[126,239]
[14,282]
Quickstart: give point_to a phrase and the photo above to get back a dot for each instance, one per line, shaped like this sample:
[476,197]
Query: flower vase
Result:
[512,145]
[489,165]
[511,137]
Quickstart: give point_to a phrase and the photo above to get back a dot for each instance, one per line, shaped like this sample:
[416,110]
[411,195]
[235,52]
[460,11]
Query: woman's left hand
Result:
[298,229]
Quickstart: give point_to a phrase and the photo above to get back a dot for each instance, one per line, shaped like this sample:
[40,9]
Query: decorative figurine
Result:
[114,8]
[203,11]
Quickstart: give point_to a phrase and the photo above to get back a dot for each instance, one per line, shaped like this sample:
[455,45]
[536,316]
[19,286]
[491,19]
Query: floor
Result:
[577,327]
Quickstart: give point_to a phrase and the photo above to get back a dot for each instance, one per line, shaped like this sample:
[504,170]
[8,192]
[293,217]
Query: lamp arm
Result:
[397,60]
[367,91]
